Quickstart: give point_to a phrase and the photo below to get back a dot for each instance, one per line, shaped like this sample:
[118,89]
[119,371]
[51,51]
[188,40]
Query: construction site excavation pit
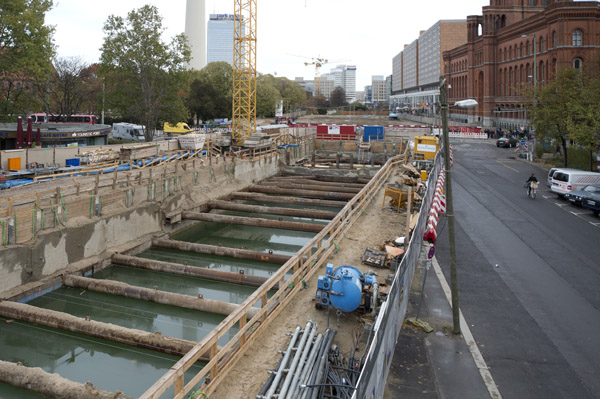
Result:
[121,324]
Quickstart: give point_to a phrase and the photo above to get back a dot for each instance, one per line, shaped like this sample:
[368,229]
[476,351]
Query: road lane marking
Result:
[507,166]
[580,213]
[484,370]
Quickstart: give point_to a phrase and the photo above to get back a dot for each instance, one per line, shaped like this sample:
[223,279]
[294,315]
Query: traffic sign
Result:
[431,252]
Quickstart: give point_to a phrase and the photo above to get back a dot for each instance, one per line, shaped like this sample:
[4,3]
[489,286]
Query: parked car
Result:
[506,142]
[565,181]
[592,203]
[578,196]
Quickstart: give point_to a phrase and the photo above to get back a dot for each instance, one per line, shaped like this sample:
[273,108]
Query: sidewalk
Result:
[438,365]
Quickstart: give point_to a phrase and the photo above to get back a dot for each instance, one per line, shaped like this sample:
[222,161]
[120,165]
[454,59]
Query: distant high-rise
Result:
[344,76]
[220,38]
[195,30]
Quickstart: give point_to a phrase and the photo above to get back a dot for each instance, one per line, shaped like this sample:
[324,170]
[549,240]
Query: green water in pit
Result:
[108,365]
[113,366]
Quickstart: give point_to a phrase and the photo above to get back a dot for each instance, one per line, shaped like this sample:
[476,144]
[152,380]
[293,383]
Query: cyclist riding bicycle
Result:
[532,178]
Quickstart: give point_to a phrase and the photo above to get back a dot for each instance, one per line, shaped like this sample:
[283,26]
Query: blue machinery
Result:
[343,288]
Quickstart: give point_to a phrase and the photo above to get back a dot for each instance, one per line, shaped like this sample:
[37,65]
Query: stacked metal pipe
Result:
[311,368]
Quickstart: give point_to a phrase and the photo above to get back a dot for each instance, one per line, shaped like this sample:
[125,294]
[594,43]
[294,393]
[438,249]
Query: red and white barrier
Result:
[438,206]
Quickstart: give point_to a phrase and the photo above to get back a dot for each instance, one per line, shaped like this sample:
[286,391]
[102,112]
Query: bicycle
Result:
[532,189]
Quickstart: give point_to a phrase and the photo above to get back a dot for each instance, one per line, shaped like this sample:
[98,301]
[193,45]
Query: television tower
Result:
[195,31]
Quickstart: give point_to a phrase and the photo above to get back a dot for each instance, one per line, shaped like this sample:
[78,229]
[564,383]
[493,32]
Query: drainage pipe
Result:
[302,213]
[301,193]
[282,366]
[97,329]
[298,371]
[308,331]
[240,195]
[193,271]
[257,222]
[51,385]
[308,367]
[221,251]
[154,295]
[316,187]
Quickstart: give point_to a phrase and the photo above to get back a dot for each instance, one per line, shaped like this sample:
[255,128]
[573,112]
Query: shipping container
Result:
[336,132]
[375,133]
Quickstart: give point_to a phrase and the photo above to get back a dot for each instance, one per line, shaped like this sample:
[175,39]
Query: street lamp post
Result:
[449,208]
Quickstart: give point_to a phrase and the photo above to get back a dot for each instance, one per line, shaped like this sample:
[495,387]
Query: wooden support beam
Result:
[152,295]
[257,222]
[303,213]
[221,251]
[186,270]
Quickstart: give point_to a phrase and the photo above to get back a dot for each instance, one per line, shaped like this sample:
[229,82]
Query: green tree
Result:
[25,52]
[146,76]
[74,87]
[267,96]
[338,97]
[553,107]
[210,92]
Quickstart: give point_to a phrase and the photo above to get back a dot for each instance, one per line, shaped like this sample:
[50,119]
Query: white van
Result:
[128,131]
[564,181]
[553,170]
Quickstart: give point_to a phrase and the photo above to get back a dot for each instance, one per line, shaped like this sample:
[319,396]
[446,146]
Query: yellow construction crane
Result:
[318,63]
[244,70]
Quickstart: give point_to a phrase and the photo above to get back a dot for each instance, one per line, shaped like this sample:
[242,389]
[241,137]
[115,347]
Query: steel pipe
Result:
[301,193]
[308,367]
[299,351]
[97,329]
[240,195]
[315,187]
[283,364]
[153,295]
[299,368]
[221,251]
[257,222]
[303,213]
[186,270]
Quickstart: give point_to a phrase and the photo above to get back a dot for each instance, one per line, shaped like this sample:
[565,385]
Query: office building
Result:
[220,38]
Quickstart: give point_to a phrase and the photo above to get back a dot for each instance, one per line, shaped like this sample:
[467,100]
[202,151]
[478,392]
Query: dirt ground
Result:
[376,226]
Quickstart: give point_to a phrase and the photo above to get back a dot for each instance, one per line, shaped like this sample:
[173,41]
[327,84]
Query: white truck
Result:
[128,131]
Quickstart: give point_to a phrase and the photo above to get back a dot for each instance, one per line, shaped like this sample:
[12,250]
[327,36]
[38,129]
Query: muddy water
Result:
[107,365]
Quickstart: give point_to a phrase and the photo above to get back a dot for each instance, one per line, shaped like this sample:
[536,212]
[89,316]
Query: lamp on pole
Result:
[469,103]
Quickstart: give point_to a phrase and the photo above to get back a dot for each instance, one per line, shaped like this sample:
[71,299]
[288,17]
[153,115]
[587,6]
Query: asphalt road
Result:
[528,274]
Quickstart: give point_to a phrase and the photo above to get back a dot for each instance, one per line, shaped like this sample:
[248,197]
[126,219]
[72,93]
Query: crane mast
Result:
[244,70]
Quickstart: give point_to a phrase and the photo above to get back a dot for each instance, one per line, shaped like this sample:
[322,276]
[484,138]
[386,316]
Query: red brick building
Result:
[516,43]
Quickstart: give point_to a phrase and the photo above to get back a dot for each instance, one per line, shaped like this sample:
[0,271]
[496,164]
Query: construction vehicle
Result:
[177,129]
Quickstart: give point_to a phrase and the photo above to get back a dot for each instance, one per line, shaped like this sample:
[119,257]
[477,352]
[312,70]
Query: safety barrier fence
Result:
[94,191]
[301,266]
[467,135]
[387,326]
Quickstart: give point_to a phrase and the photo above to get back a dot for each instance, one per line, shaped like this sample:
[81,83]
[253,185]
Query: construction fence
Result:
[387,326]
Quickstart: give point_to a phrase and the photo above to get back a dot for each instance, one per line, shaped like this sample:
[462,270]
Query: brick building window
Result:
[577,63]
[577,37]
[554,40]
[541,44]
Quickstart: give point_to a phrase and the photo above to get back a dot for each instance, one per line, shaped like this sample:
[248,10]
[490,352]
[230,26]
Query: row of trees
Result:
[566,110]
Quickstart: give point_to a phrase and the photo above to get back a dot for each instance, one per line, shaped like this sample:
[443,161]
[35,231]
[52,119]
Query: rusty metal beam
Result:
[315,182]
[35,379]
[97,329]
[279,199]
[258,222]
[301,193]
[186,270]
[221,251]
[303,213]
[316,187]
[153,295]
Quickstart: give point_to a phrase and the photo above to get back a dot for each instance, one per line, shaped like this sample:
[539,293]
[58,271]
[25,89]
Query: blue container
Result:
[375,133]
[72,162]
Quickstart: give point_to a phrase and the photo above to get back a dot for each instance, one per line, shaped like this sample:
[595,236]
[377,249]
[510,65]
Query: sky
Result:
[367,33]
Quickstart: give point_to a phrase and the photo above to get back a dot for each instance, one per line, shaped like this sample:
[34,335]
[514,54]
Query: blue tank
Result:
[342,287]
